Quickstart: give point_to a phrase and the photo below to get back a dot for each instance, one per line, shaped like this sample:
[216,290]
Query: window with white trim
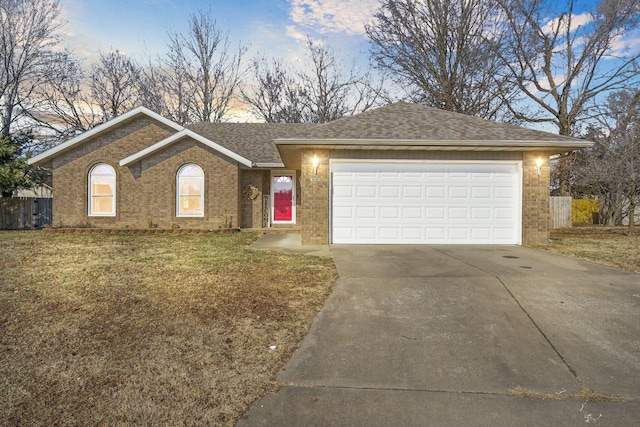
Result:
[190,191]
[102,190]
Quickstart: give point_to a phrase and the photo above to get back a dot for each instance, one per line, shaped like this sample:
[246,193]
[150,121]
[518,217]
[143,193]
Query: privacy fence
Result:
[560,212]
[24,213]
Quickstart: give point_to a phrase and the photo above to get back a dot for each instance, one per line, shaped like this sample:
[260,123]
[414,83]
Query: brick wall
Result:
[535,199]
[252,210]
[314,198]
[146,190]
[315,194]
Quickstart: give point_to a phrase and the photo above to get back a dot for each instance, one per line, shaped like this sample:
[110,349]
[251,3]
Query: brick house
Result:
[402,173]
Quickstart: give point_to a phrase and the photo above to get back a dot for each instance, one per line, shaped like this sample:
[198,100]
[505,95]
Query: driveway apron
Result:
[465,335]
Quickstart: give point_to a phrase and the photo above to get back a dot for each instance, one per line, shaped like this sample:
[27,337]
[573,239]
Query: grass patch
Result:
[147,329]
[604,245]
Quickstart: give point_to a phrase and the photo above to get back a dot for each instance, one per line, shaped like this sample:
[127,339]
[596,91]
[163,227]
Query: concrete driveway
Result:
[465,335]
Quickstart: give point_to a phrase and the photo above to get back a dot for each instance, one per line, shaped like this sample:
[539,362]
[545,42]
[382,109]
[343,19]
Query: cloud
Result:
[562,22]
[333,16]
[628,44]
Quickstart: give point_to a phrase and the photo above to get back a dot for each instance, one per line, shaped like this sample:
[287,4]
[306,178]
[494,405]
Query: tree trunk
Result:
[632,216]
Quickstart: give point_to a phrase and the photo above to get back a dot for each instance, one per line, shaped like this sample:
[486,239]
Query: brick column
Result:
[535,199]
[314,185]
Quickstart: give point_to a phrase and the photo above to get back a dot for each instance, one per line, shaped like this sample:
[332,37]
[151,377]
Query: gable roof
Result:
[393,126]
[403,123]
[73,142]
[253,141]
[184,133]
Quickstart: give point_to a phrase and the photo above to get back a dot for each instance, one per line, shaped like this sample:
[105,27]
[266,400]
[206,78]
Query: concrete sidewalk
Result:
[465,335]
[289,243]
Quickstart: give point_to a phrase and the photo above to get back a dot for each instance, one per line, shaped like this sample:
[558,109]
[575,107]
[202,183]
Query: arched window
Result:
[190,191]
[102,190]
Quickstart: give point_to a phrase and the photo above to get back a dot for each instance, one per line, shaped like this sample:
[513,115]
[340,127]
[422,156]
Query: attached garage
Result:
[426,202]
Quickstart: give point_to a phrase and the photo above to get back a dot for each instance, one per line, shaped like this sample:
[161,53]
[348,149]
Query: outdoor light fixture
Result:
[539,162]
[315,162]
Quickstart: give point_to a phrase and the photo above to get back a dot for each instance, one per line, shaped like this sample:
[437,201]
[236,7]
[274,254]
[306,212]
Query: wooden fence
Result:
[23,213]
[560,212]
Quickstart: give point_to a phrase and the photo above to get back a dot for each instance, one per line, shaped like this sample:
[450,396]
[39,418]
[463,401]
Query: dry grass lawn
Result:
[604,245]
[147,329]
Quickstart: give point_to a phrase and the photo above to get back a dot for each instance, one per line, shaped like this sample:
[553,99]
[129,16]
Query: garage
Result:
[426,202]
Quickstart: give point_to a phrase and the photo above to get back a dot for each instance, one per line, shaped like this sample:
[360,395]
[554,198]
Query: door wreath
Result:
[251,192]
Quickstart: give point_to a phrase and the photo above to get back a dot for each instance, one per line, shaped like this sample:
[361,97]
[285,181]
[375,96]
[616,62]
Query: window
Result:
[102,190]
[190,194]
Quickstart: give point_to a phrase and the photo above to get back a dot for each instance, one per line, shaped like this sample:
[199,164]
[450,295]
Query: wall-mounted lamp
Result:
[539,163]
[314,163]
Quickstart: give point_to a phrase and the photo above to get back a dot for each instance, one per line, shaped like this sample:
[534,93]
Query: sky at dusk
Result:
[269,28]
[275,28]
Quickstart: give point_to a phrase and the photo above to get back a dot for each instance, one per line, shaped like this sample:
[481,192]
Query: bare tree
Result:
[115,83]
[326,90]
[443,53]
[174,80]
[65,107]
[333,90]
[29,30]
[204,59]
[564,63]
[612,167]
[275,96]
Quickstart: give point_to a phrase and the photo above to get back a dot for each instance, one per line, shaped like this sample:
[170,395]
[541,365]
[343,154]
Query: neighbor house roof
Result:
[408,124]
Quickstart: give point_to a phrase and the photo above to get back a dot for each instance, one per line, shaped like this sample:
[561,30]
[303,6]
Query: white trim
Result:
[514,145]
[202,195]
[175,137]
[269,165]
[99,129]
[519,171]
[292,173]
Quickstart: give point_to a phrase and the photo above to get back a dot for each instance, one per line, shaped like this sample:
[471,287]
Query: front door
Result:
[283,196]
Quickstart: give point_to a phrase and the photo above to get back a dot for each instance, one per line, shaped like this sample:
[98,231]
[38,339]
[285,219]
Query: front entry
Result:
[283,198]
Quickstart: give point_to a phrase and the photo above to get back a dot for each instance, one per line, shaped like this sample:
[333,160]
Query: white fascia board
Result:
[183,134]
[101,128]
[269,165]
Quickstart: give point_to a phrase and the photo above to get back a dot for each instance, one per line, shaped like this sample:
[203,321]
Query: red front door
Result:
[283,193]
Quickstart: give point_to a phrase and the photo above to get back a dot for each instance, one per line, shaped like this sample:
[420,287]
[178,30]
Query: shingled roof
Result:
[396,126]
[415,124]
[253,141]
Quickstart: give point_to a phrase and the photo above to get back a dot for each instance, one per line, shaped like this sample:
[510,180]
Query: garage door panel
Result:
[426,202]
[412,192]
[481,213]
[412,234]
[412,213]
[436,192]
[390,191]
[390,233]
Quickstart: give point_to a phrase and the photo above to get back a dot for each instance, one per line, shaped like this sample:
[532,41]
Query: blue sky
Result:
[270,27]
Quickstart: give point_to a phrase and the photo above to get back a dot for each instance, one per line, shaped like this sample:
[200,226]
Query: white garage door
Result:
[425,202]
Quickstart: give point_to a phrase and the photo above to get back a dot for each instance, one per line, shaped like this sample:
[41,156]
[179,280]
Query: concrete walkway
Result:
[465,336]
[289,243]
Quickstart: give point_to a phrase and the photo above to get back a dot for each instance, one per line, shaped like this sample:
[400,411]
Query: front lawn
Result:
[604,245]
[147,329]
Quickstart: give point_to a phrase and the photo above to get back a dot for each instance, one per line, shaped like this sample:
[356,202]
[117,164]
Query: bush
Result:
[582,211]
